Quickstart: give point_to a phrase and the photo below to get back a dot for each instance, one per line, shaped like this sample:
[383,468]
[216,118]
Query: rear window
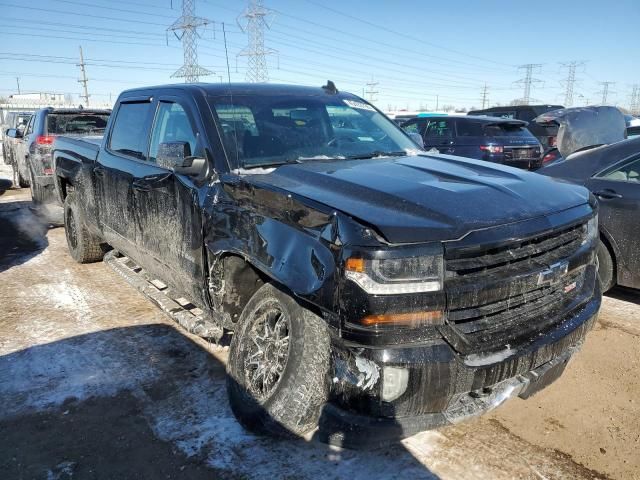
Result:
[482,129]
[74,123]
[507,131]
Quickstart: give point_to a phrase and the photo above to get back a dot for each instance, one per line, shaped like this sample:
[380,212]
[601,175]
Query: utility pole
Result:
[253,22]
[437,103]
[528,81]
[605,91]
[18,82]
[634,106]
[570,81]
[83,80]
[371,93]
[187,24]
[485,96]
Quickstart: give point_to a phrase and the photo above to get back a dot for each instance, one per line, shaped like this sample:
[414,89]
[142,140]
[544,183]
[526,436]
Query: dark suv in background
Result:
[546,134]
[33,154]
[491,139]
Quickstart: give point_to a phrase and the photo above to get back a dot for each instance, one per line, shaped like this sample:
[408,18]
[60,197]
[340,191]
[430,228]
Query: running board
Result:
[183,312]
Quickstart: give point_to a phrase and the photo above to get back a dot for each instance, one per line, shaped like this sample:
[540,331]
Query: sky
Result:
[419,55]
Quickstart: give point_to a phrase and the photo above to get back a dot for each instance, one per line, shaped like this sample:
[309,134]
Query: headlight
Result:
[392,276]
[592,230]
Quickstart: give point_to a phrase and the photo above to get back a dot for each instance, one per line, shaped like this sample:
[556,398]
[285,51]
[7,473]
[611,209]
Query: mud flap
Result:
[180,310]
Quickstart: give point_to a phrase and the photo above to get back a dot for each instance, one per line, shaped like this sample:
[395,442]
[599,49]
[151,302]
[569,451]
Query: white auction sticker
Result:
[360,105]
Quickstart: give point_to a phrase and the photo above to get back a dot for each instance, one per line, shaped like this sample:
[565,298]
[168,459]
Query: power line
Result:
[83,80]
[528,80]
[605,91]
[634,106]
[570,81]
[485,96]
[371,92]
[256,19]
[188,24]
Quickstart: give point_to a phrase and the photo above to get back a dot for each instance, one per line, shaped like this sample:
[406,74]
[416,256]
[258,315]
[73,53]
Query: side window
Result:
[30,125]
[171,125]
[439,130]
[411,128]
[129,133]
[629,172]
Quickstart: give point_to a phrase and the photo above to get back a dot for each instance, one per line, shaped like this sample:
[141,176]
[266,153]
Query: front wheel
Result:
[606,268]
[23,182]
[278,365]
[83,246]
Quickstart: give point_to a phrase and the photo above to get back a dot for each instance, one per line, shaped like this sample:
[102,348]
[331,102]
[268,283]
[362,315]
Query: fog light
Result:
[394,382]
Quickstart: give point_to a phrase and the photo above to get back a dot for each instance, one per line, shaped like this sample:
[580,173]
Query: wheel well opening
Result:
[233,281]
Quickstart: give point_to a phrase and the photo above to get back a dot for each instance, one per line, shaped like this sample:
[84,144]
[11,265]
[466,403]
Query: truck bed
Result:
[80,148]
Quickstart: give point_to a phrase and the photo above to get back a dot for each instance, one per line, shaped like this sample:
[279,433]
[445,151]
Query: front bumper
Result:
[443,387]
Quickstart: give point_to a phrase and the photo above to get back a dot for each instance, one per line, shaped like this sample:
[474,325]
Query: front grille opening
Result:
[542,250]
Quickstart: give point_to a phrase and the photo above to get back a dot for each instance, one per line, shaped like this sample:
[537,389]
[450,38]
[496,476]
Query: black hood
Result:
[425,198]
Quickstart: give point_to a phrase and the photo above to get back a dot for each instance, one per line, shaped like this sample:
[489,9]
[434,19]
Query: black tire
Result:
[83,246]
[36,196]
[606,267]
[23,182]
[293,405]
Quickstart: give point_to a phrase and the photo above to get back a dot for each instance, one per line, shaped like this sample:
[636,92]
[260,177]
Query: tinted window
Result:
[629,172]
[507,131]
[411,127]
[129,133]
[73,123]
[470,128]
[439,130]
[171,125]
[30,125]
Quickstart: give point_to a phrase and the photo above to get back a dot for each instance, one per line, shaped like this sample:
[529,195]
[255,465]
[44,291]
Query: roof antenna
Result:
[330,87]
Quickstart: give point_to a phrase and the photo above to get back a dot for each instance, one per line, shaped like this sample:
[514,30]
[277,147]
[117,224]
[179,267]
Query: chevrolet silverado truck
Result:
[373,290]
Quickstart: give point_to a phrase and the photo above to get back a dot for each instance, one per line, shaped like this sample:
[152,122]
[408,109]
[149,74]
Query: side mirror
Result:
[14,133]
[176,156]
[417,139]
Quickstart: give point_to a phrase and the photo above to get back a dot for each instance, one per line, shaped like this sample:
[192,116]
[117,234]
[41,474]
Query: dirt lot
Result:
[95,382]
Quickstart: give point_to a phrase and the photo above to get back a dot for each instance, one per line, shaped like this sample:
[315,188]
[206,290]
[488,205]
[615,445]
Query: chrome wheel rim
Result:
[268,350]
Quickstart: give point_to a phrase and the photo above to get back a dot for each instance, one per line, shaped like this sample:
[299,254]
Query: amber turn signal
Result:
[355,264]
[411,319]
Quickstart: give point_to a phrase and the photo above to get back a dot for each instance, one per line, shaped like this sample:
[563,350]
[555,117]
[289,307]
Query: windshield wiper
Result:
[377,153]
[272,164]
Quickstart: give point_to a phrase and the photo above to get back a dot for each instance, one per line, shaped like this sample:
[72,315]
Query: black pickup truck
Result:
[372,289]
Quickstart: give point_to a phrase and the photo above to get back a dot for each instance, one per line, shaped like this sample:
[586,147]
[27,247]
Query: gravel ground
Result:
[95,382]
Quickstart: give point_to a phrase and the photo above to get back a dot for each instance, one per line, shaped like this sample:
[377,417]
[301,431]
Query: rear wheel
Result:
[36,196]
[83,246]
[23,182]
[278,365]
[606,267]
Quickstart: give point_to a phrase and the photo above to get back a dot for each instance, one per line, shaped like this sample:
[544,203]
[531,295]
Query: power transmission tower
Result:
[528,80]
[187,24]
[570,81]
[634,106]
[254,20]
[605,91]
[84,81]
[371,93]
[485,96]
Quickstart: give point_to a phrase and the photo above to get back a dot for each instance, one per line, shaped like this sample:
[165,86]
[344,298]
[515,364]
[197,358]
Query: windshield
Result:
[269,130]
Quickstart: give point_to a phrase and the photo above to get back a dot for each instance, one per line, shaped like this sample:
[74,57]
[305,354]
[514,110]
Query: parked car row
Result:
[29,147]
[375,287]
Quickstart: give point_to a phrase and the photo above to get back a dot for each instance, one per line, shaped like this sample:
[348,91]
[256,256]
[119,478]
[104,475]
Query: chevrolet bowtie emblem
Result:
[554,273]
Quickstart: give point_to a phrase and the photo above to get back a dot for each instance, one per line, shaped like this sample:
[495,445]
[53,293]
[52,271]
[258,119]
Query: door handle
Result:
[98,171]
[607,194]
[141,186]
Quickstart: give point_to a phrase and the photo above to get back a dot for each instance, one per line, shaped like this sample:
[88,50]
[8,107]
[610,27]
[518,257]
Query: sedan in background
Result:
[612,173]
